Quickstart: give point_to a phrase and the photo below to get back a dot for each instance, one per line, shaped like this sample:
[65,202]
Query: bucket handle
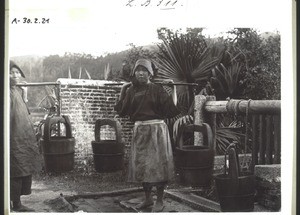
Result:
[234,158]
[234,167]
[113,123]
[205,129]
[55,120]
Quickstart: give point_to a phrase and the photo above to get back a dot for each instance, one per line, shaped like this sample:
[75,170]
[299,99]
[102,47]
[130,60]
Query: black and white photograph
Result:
[149,106]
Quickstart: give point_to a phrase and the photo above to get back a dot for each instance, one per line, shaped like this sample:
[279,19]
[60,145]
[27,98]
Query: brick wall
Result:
[85,101]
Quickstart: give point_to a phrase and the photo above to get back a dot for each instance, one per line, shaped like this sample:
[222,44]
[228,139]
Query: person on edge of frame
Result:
[25,158]
[151,158]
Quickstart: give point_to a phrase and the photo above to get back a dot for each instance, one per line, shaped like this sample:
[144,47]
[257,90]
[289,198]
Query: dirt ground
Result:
[50,192]
[82,182]
[47,188]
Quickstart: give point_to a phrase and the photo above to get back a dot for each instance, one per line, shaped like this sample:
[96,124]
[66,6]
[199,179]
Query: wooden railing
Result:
[265,139]
[263,123]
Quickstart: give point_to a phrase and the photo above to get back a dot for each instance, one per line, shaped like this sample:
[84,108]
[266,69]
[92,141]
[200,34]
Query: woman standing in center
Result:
[151,159]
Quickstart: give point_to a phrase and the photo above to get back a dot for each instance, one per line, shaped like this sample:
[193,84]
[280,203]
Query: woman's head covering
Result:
[145,63]
[12,64]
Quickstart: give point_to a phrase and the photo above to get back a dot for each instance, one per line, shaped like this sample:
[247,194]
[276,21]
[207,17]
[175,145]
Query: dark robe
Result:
[146,103]
[24,153]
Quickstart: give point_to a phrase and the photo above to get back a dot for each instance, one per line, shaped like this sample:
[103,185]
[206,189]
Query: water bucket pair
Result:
[108,154]
[235,188]
[58,151]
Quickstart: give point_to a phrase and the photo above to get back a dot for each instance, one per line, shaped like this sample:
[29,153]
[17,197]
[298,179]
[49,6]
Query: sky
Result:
[99,27]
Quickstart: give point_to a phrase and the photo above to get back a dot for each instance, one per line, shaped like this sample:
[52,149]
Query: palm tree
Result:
[189,59]
[186,58]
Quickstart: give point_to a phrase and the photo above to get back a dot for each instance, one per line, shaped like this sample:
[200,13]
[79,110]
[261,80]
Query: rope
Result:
[232,106]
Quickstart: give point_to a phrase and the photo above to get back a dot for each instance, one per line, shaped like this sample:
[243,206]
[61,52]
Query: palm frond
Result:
[227,79]
[179,123]
[186,59]
[225,136]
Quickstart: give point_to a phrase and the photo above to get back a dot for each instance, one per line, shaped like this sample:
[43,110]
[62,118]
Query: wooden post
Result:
[276,120]
[59,105]
[212,121]
[268,140]
[262,145]
[254,142]
[199,118]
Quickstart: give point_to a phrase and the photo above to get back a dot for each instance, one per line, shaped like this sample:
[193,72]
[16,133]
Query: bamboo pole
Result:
[256,106]
[216,106]
[37,84]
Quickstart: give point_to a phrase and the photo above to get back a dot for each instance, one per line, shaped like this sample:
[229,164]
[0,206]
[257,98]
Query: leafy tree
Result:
[260,58]
[250,69]
[59,66]
[52,67]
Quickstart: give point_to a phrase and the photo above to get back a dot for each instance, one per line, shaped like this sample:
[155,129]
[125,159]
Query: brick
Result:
[86,104]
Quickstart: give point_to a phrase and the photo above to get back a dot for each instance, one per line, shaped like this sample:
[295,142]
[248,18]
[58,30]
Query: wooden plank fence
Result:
[263,118]
[266,138]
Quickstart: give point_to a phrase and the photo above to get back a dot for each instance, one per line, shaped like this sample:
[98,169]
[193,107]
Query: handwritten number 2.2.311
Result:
[145,3]
[26,20]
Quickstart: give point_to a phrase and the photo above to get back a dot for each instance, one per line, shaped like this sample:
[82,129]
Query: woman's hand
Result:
[24,91]
[174,92]
[174,95]
[124,90]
